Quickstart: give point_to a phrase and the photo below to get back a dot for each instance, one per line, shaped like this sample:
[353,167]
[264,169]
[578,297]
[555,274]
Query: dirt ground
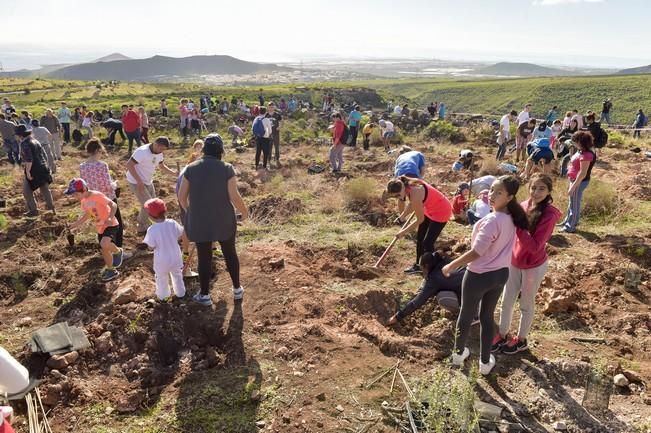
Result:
[298,353]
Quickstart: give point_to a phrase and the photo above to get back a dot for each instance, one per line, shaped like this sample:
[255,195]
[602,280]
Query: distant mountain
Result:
[639,70]
[160,67]
[111,58]
[521,70]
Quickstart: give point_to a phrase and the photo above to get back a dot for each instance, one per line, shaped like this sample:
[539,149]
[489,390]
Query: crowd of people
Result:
[506,258]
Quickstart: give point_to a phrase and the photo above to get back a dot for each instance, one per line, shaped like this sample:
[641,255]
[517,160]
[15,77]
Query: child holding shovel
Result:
[102,210]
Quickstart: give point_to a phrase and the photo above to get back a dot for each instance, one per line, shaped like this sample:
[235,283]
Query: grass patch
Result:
[360,191]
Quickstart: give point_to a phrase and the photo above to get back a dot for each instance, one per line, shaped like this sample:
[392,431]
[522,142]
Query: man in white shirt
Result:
[504,134]
[388,131]
[262,130]
[140,174]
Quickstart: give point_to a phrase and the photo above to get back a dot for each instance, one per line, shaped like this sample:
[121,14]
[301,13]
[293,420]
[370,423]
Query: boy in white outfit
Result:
[163,237]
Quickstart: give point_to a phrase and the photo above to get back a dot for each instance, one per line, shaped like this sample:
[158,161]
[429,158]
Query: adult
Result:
[25,119]
[578,117]
[131,126]
[442,110]
[504,134]
[262,129]
[144,124]
[432,210]
[37,173]
[163,107]
[487,269]
[605,111]
[410,163]
[432,109]
[446,290]
[528,265]
[481,183]
[44,137]
[540,154]
[7,108]
[525,131]
[97,175]
[599,136]
[552,115]
[52,123]
[640,122]
[8,133]
[387,130]
[524,115]
[397,110]
[336,153]
[140,174]
[274,115]
[113,126]
[354,118]
[579,172]
[184,113]
[209,195]
[567,120]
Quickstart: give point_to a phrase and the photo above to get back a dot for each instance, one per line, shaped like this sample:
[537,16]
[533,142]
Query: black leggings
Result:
[434,284]
[487,289]
[204,255]
[263,145]
[428,233]
[120,234]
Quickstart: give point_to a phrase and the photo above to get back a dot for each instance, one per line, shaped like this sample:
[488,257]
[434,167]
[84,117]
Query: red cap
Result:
[155,207]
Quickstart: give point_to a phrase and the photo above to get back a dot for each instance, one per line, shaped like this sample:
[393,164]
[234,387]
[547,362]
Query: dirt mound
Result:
[274,210]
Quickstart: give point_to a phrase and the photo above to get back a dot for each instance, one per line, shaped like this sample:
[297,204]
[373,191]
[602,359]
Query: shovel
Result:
[395,239]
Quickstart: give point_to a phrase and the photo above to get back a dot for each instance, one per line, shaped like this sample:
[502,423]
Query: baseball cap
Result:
[155,207]
[76,185]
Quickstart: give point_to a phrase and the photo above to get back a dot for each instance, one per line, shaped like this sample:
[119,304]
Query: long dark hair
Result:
[518,215]
[534,214]
[395,185]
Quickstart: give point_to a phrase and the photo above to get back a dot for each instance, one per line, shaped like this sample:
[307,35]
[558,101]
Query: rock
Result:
[339,408]
[104,343]
[131,402]
[255,395]
[71,357]
[646,399]
[57,362]
[321,396]
[25,321]
[286,419]
[115,371]
[282,352]
[277,263]
[620,380]
[488,411]
[212,357]
[109,410]
[299,374]
[559,303]
[125,295]
[260,424]
[560,426]
[633,376]
[57,375]
[51,395]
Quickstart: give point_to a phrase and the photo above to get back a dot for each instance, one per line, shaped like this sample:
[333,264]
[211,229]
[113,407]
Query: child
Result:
[460,202]
[367,131]
[458,164]
[480,208]
[102,209]
[87,124]
[388,131]
[163,237]
[488,269]
[557,127]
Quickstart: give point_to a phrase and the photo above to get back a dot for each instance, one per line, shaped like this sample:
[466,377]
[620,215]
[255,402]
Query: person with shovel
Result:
[432,210]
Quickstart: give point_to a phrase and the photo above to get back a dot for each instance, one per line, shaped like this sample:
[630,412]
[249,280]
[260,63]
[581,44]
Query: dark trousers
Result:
[13,151]
[144,135]
[133,136]
[204,256]
[432,285]
[66,132]
[164,112]
[367,141]
[262,145]
[276,142]
[354,130]
[501,151]
[486,289]
[428,233]
[120,234]
[111,136]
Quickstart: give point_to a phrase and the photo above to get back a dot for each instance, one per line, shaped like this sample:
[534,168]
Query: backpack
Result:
[602,137]
[258,127]
[645,120]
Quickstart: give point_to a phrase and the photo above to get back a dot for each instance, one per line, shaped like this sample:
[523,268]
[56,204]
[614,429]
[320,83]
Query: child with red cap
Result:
[102,210]
[163,237]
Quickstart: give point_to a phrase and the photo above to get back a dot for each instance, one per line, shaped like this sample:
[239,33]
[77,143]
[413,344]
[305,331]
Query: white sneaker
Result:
[238,293]
[485,369]
[457,359]
[189,273]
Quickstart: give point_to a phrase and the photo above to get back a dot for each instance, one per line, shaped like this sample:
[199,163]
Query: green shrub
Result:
[360,191]
[443,130]
[601,200]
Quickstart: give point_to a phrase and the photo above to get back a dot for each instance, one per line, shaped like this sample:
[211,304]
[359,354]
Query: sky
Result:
[598,33]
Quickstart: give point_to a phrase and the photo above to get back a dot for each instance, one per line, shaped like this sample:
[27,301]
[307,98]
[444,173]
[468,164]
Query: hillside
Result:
[112,58]
[521,70]
[158,67]
[638,70]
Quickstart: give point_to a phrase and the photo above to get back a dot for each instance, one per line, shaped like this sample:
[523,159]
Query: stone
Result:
[124,296]
[25,321]
[559,302]
[51,395]
[260,424]
[255,395]
[104,343]
[282,352]
[57,362]
[321,396]
[620,380]
[57,375]
[339,408]
[560,426]
[71,357]
[633,376]
[278,263]
[109,410]
[488,411]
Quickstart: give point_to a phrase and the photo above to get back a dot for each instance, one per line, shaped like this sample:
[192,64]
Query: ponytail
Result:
[396,185]
[518,215]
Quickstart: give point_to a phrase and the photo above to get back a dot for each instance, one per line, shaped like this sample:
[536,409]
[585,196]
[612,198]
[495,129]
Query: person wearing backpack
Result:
[262,130]
[640,122]
[599,136]
[339,136]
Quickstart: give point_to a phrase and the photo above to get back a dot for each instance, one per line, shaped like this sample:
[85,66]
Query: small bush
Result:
[601,200]
[443,130]
[360,191]
[616,139]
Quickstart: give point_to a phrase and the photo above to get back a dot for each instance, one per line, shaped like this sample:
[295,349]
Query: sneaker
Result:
[117,258]
[458,359]
[498,342]
[415,269]
[189,273]
[202,299]
[30,214]
[485,369]
[238,293]
[514,346]
[109,274]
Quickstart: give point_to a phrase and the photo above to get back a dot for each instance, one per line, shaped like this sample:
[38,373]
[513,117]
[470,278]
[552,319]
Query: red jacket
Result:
[130,121]
[338,131]
[459,204]
[529,249]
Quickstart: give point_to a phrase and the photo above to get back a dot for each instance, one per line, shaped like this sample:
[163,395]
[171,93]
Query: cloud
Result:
[560,2]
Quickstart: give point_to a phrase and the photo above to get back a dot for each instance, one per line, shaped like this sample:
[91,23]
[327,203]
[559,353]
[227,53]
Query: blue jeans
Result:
[605,117]
[13,150]
[574,207]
